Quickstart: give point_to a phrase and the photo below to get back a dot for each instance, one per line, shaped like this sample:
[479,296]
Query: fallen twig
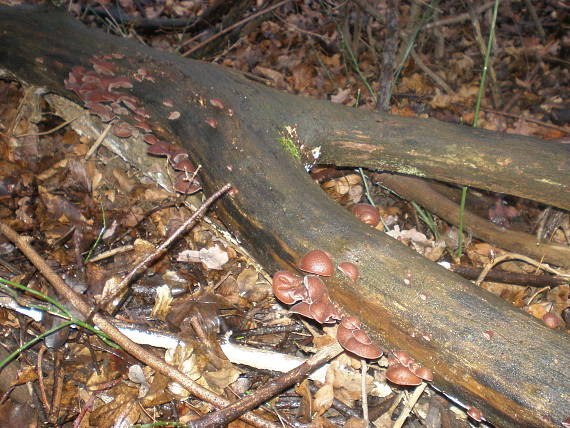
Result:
[514,256]
[151,258]
[274,386]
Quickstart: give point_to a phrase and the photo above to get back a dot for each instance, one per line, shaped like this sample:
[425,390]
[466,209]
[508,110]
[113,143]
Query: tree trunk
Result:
[482,350]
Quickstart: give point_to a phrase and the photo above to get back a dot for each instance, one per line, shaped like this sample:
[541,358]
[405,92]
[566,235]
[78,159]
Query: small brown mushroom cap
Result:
[350,323]
[320,310]
[422,372]
[404,358]
[317,262]
[333,313]
[212,122]
[218,103]
[350,270]
[401,375]
[287,287]
[357,342]
[474,413]
[182,164]
[369,352]
[303,309]
[183,184]
[122,129]
[160,148]
[551,320]
[150,139]
[366,213]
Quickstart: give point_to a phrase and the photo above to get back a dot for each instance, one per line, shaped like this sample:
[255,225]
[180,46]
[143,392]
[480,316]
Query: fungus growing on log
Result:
[287,287]
[551,320]
[122,129]
[350,270]
[216,102]
[366,213]
[317,262]
[277,236]
[474,414]
[401,375]
[160,148]
[186,184]
[353,339]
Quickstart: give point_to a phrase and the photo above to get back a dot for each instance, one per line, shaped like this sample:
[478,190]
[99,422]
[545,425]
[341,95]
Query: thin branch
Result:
[514,256]
[411,402]
[273,387]
[151,258]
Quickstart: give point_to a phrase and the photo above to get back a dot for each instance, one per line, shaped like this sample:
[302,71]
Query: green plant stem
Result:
[486,63]
[476,117]
[427,16]
[33,342]
[366,188]
[62,311]
[355,65]
[427,219]
[101,232]
[39,295]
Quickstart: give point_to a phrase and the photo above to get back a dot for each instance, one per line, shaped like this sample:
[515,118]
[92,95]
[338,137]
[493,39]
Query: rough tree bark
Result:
[517,375]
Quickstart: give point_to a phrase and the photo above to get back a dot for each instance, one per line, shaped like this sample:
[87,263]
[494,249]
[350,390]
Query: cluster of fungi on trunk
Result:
[97,88]
[310,298]
[402,369]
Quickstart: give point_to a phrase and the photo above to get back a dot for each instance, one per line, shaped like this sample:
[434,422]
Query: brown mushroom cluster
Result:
[405,371]
[310,298]
[98,89]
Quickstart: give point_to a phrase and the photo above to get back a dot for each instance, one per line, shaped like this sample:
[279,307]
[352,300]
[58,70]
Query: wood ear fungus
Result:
[160,148]
[122,129]
[350,270]
[287,287]
[356,340]
[404,358]
[401,375]
[550,320]
[184,184]
[317,262]
[216,102]
[315,288]
[318,311]
[422,372]
[474,414]
[366,213]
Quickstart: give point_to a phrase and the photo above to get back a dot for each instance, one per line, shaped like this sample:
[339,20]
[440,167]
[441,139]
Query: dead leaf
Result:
[162,302]
[341,96]
[212,258]
[323,399]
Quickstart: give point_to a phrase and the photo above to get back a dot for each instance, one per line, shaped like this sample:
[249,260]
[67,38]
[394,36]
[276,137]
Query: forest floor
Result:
[94,218]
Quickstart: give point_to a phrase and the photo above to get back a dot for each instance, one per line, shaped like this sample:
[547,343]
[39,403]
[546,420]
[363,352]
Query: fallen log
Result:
[483,351]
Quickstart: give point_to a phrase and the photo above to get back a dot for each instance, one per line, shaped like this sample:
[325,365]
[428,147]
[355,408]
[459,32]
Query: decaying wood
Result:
[421,192]
[483,351]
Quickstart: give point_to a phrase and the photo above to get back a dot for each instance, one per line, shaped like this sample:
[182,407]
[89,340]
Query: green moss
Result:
[290,147]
